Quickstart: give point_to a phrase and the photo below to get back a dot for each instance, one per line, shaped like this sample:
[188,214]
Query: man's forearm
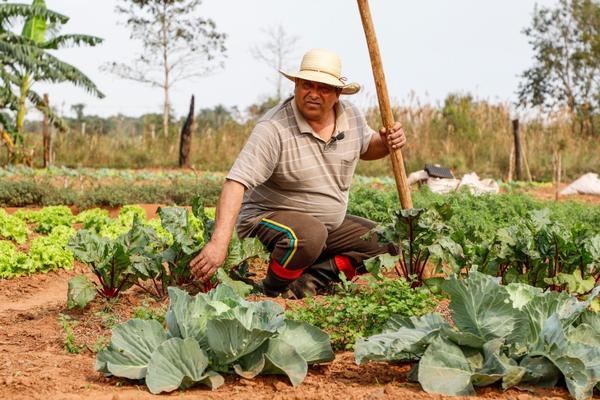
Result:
[377,149]
[228,210]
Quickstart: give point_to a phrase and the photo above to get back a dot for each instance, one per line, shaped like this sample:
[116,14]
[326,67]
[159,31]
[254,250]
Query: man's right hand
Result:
[205,264]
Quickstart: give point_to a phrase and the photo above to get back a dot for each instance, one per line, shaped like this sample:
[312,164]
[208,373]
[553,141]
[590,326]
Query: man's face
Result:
[315,100]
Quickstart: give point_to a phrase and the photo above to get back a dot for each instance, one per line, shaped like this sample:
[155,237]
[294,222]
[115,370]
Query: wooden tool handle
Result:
[384,102]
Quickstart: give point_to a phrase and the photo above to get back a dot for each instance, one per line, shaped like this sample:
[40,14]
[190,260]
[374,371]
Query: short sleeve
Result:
[365,131]
[258,158]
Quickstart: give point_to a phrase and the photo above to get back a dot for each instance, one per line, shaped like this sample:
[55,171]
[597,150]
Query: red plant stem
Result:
[423,267]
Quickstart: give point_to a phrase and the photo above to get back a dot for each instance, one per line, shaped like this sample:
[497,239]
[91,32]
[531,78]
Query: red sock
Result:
[284,273]
[344,264]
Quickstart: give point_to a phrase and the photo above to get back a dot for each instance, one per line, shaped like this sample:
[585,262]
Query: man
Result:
[289,185]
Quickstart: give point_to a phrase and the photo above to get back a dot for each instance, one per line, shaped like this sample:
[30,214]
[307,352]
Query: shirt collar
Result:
[341,122]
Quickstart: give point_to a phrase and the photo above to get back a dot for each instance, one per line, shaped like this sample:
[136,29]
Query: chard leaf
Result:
[310,342]
[179,363]
[88,247]
[175,221]
[131,348]
[80,292]
[444,369]
[376,264]
[481,306]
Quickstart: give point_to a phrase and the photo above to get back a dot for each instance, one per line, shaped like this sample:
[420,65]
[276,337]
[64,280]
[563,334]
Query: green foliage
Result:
[421,236]
[565,39]
[458,116]
[25,60]
[80,292]
[112,260]
[13,263]
[12,228]
[517,335]
[31,193]
[94,219]
[69,342]
[542,252]
[47,218]
[223,333]
[358,311]
[146,312]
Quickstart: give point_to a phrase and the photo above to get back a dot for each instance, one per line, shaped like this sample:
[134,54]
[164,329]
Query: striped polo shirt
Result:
[286,166]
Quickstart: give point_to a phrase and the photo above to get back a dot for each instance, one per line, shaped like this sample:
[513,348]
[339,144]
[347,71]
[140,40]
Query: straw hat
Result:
[324,66]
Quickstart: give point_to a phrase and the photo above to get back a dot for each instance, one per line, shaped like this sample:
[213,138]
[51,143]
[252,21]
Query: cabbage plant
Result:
[514,335]
[211,334]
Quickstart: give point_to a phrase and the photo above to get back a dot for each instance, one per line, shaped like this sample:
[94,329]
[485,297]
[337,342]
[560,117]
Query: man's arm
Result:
[378,147]
[212,256]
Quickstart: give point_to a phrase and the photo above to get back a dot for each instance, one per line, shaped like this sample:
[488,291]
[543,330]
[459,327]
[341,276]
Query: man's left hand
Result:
[396,137]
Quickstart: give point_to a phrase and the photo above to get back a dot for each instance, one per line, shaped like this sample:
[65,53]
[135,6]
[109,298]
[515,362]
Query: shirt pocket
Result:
[346,170]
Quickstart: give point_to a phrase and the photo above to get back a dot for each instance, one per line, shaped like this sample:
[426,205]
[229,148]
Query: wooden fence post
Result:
[185,140]
[47,135]
[518,157]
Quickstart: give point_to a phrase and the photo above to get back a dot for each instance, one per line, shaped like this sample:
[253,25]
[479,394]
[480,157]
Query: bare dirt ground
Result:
[34,363]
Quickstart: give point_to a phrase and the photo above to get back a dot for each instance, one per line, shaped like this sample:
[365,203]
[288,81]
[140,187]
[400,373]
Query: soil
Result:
[34,363]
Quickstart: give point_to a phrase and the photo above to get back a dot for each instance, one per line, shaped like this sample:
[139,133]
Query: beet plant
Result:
[112,260]
[421,236]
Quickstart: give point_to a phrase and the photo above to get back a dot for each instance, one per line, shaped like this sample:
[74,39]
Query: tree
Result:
[78,109]
[177,45]
[25,60]
[566,70]
[275,52]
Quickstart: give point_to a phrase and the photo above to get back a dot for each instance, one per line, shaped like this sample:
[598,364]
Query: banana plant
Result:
[25,60]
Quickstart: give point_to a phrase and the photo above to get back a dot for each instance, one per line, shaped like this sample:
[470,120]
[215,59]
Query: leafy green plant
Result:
[12,228]
[145,311]
[543,252]
[112,261]
[49,253]
[421,236]
[80,292]
[69,342]
[47,218]
[93,219]
[516,335]
[13,263]
[361,310]
[222,333]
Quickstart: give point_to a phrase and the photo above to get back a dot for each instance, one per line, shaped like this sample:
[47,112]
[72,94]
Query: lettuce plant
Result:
[93,219]
[13,263]
[12,228]
[515,335]
[49,253]
[211,334]
[47,218]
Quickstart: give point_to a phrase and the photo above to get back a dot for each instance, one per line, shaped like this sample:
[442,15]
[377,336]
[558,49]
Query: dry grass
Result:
[474,136]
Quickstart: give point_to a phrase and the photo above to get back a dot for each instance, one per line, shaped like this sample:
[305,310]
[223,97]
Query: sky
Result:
[429,48]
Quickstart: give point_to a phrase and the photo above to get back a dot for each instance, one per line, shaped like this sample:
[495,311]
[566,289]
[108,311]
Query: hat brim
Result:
[321,77]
